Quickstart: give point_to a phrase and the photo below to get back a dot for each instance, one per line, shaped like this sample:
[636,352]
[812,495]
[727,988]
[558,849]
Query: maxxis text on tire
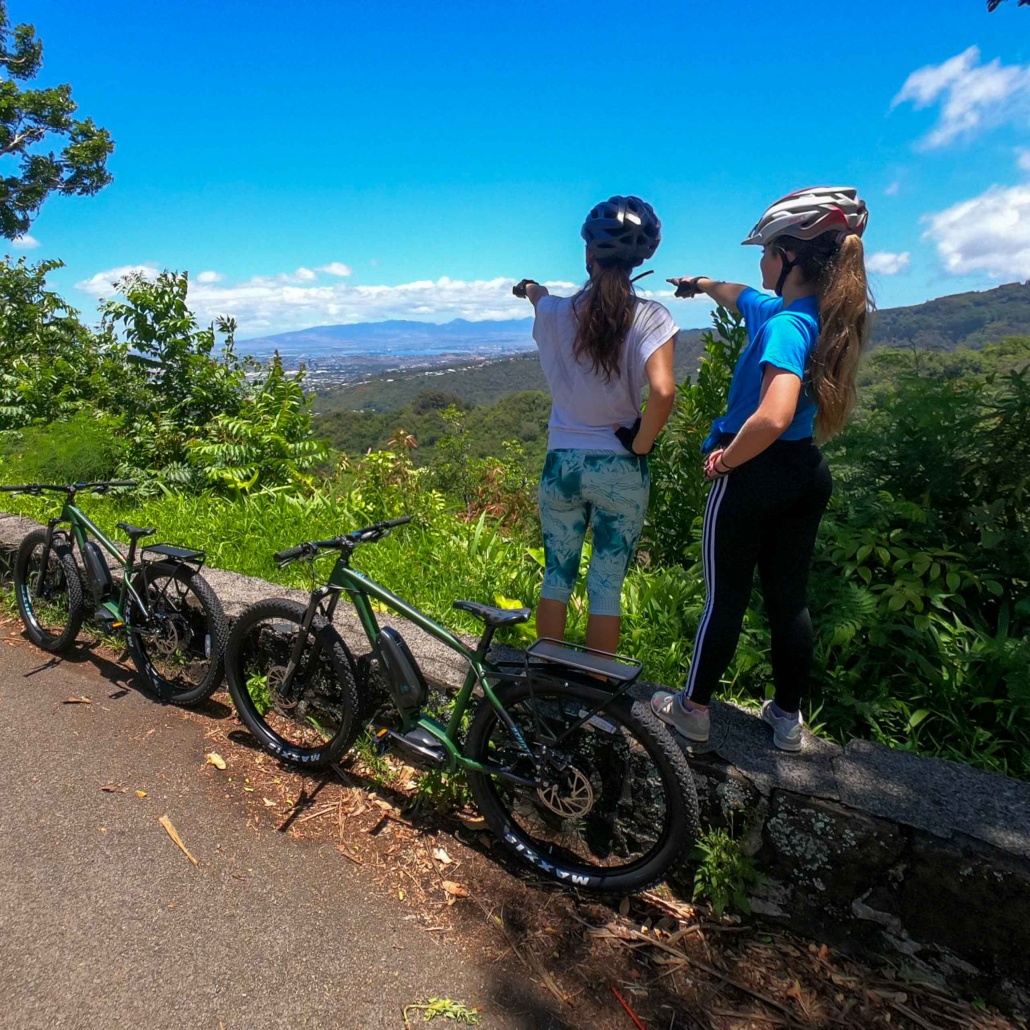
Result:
[654,752]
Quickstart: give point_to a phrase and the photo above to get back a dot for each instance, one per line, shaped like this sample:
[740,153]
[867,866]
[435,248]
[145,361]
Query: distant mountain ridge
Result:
[962,319]
[401,337]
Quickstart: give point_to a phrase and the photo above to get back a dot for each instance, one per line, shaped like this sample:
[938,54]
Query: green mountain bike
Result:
[173,622]
[577,778]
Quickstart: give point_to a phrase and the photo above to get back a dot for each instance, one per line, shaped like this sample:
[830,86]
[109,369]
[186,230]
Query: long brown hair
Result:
[836,265]
[604,313]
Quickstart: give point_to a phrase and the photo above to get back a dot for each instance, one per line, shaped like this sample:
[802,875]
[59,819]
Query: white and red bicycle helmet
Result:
[809,213]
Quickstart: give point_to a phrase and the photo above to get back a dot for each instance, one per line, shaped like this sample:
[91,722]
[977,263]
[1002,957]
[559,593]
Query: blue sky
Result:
[319,162]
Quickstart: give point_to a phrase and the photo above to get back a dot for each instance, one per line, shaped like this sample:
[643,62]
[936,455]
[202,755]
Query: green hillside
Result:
[961,320]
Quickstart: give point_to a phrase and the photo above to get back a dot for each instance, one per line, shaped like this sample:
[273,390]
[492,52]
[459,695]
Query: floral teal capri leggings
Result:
[607,491]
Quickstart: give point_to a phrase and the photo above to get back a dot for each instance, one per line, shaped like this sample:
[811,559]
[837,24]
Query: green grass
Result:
[440,557]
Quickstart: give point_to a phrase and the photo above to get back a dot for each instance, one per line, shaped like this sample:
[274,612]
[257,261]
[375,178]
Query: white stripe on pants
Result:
[715,496]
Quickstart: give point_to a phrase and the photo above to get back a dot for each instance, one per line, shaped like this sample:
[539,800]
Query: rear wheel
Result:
[178,646]
[310,718]
[51,607]
[612,806]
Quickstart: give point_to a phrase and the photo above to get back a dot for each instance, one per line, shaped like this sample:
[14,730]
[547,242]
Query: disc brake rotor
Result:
[572,798]
[172,638]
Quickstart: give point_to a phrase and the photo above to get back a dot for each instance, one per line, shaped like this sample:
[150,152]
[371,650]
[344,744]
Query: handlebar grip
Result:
[122,482]
[289,554]
[402,521]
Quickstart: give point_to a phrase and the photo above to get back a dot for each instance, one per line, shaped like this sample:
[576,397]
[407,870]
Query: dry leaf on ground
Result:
[215,759]
[82,700]
[173,833]
[141,793]
[456,890]
[441,856]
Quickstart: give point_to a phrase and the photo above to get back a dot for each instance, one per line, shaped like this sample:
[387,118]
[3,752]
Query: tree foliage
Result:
[29,120]
[166,398]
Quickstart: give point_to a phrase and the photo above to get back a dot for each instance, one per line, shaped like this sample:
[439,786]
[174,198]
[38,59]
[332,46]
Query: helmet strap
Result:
[787,268]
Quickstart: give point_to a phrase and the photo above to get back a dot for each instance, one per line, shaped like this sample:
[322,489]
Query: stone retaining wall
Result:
[874,850]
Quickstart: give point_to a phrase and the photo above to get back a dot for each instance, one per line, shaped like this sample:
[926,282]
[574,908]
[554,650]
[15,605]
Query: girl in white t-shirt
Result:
[598,349]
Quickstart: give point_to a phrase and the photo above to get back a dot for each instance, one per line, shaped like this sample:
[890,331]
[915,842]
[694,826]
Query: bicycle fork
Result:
[293,665]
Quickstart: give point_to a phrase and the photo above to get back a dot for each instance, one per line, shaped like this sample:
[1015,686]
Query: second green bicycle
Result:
[172,620]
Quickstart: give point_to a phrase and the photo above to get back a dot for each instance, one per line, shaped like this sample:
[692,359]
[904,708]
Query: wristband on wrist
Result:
[725,464]
[519,289]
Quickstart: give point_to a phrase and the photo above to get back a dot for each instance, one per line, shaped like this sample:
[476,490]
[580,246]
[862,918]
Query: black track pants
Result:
[765,514]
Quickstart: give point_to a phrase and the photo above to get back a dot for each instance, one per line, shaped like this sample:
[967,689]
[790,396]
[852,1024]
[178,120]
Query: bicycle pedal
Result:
[108,619]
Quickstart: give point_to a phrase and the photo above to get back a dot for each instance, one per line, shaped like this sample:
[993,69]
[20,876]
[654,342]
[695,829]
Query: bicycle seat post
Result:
[485,641]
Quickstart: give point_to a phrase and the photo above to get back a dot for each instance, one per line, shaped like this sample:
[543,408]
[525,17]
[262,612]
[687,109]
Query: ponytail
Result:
[837,265]
[604,312]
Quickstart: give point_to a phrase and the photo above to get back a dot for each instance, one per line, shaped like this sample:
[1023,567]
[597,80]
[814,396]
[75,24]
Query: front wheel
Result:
[177,643]
[51,605]
[309,715]
[612,807]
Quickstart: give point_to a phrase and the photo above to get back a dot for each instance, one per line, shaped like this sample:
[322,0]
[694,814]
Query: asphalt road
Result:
[105,923]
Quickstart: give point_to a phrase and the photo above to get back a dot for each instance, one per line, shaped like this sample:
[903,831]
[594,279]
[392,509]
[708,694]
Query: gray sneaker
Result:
[786,728]
[691,723]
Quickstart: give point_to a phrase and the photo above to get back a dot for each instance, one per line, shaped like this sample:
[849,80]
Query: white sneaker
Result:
[692,723]
[786,728]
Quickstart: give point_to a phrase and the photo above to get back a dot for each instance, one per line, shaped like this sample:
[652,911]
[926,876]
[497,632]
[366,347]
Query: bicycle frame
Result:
[363,591]
[82,529]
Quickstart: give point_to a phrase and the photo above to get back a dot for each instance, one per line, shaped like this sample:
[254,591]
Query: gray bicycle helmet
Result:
[623,229]
[808,213]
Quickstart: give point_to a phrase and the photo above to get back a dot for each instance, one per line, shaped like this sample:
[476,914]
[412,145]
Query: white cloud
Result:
[892,189]
[210,277]
[1023,159]
[972,96]
[279,303]
[989,233]
[336,268]
[102,284]
[884,262]
[25,242]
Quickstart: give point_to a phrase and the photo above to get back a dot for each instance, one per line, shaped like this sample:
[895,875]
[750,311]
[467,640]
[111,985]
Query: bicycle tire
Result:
[55,631]
[258,648]
[592,778]
[182,660]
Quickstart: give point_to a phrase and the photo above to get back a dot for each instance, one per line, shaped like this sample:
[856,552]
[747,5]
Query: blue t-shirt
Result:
[778,336]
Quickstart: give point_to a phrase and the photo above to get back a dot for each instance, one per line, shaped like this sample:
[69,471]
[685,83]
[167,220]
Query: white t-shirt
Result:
[584,408]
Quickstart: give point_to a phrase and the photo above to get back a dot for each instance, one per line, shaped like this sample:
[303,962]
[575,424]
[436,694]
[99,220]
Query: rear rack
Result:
[183,554]
[618,668]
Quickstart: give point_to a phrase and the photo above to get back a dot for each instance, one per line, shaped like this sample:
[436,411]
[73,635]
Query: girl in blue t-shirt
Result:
[795,379]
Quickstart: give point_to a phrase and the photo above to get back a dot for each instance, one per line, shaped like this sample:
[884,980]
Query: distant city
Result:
[343,355]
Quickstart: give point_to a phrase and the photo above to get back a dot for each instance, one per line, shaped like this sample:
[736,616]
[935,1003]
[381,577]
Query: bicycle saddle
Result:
[134,532]
[494,616]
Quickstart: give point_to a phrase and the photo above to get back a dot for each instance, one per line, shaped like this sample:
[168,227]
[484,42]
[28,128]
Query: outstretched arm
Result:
[723,293]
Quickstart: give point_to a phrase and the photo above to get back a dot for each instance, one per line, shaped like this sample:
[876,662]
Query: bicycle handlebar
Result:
[366,535]
[67,488]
